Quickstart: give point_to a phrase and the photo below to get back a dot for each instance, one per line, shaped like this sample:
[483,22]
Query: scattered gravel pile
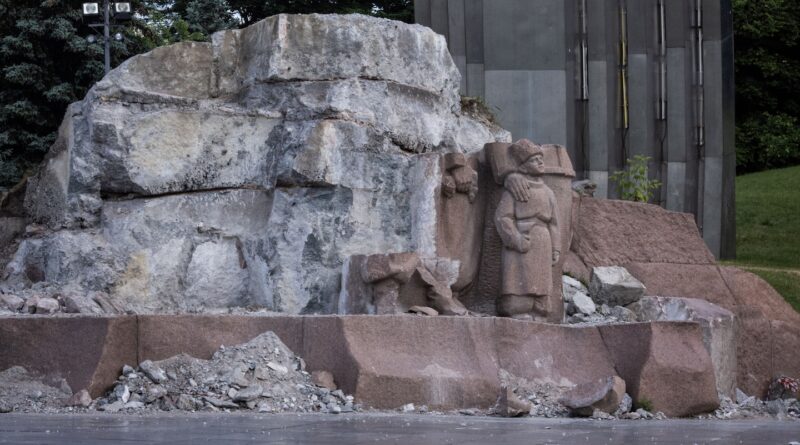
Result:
[752,408]
[262,375]
[542,397]
[22,392]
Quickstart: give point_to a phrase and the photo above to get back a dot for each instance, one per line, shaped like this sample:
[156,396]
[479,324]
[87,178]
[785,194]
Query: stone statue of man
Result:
[531,238]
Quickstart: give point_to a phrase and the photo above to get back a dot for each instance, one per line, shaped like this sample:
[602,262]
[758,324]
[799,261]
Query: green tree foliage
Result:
[46,62]
[634,182]
[767,79]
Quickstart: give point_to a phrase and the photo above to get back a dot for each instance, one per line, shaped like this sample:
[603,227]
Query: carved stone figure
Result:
[531,237]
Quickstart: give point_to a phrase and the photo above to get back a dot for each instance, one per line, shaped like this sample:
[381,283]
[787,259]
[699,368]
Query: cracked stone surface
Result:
[240,173]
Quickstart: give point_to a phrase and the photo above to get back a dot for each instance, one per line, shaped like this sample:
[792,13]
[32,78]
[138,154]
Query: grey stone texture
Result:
[244,171]
[719,331]
[614,286]
[523,57]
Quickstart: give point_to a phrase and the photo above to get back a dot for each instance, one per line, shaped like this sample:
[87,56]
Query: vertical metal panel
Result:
[678,88]
[461,64]
[677,12]
[641,138]
[675,186]
[422,12]
[456,33]
[641,22]
[549,107]
[511,93]
[524,34]
[712,103]
[570,17]
[473,17]
[596,29]
[600,177]
[713,176]
[439,19]
[456,39]
[600,122]
[475,80]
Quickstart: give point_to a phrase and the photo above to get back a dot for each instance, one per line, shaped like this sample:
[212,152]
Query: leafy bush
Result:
[633,182]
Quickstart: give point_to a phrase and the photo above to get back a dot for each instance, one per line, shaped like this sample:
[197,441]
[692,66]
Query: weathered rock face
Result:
[664,251]
[719,331]
[242,172]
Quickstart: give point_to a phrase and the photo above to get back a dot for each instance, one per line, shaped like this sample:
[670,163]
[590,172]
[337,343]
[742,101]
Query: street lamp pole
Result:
[121,13]
[106,35]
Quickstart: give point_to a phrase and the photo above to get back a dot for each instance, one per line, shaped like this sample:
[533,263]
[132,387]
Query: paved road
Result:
[379,429]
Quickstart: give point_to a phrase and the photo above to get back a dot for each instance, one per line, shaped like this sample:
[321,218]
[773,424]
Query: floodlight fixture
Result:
[122,10]
[91,39]
[91,9]
[118,37]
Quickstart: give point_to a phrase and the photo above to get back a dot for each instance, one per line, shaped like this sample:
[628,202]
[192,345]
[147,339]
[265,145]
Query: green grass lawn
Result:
[768,228]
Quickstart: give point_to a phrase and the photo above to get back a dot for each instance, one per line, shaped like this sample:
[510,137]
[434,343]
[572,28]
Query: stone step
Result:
[387,361]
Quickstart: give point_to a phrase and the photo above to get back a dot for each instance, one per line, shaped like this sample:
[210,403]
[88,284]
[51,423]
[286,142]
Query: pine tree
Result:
[46,64]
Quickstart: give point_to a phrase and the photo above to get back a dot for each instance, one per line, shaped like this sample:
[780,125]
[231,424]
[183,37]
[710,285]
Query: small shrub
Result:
[633,182]
[477,108]
[645,404]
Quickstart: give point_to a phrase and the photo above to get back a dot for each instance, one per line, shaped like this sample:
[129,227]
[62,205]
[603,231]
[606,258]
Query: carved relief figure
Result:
[531,237]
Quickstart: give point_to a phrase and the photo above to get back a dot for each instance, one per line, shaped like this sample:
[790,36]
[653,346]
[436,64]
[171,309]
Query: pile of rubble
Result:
[42,299]
[262,375]
[607,299]
[781,403]
[20,391]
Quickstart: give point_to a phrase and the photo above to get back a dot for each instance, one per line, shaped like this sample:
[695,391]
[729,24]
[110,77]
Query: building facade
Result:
[611,79]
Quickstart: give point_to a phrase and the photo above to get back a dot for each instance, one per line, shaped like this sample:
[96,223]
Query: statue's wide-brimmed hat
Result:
[524,149]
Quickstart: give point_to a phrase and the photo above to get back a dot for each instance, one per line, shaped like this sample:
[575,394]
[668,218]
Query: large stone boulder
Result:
[665,252]
[719,331]
[244,171]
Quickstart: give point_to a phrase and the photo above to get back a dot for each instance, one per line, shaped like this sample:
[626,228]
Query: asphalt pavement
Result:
[379,429]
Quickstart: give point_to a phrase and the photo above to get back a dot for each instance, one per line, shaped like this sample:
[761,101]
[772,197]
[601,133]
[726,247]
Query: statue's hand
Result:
[518,186]
[465,177]
[556,256]
[448,186]
[523,244]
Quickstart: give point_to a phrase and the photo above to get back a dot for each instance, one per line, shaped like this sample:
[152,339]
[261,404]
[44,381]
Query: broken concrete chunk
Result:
[81,304]
[605,395]
[614,286]
[423,310]
[80,399]
[11,302]
[570,286]
[252,392]
[153,372]
[582,304]
[47,306]
[510,405]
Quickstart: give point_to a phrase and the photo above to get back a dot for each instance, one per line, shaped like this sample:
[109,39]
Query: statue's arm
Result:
[553,227]
[517,185]
[506,227]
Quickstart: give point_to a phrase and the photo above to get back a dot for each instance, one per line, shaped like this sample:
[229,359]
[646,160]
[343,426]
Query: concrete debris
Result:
[80,399]
[605,395]
[11,302]
[262,374]
[624,407]
[153,371]
[614,286]
[511,405]
[24,392]
[752,408]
